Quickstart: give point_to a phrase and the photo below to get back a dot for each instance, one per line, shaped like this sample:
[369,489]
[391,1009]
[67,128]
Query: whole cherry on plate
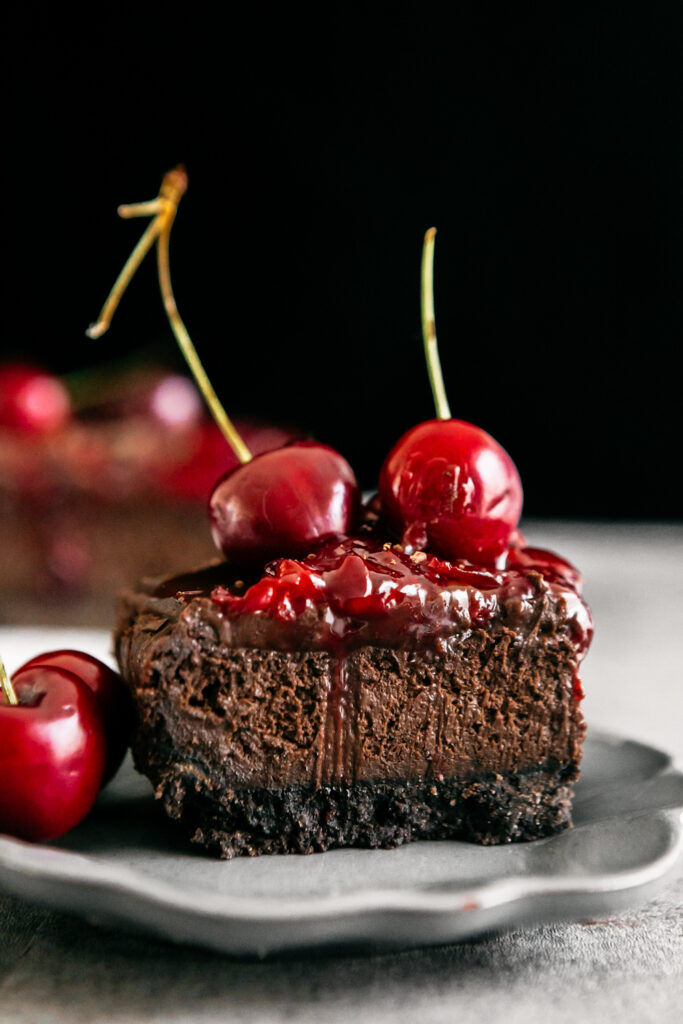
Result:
[112,696]
[447,485]
[52,752]
[282,502]
[32,401]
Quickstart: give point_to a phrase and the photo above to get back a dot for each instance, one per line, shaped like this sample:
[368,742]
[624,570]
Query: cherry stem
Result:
[164,209]
[6,685]
[443,411]
[224,422]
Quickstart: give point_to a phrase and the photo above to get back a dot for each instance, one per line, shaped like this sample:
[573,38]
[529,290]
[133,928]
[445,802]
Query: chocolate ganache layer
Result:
[359,696]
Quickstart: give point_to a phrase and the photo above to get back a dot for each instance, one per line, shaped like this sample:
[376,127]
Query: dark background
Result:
[543,143]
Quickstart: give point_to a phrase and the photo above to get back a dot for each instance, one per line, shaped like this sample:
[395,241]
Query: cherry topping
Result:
[52,752]
[363,590]
[283,502]
[552,566]
[447,485]
[110,692]
[31,400]
[360,578]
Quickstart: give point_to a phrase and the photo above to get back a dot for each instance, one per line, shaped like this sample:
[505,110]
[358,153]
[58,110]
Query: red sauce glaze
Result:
[576,686]
[368,591]
[357,578]
[550,565]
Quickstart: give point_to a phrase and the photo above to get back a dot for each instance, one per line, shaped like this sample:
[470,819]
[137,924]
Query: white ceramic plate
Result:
[127,865]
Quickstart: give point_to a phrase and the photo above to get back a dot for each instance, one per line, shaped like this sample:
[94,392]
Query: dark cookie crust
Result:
[308,819]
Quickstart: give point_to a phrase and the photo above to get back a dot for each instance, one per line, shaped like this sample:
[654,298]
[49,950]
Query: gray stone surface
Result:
[54,968]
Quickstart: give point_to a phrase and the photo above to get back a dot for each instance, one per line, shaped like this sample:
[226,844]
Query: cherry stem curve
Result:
[164,209]
[443,411]
[8,691]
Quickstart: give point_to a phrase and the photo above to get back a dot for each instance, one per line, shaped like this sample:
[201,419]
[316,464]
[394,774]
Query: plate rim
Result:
[22,862]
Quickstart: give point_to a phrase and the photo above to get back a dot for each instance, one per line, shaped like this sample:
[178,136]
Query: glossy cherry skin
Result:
[52,754]
[31,400]
[111,693]
[448,487]
[283,502]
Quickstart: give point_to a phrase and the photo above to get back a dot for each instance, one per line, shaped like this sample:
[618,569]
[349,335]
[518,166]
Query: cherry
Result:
[447,485]
[110,691]
[31,400]
[550,565]
[52,752]
[283,502]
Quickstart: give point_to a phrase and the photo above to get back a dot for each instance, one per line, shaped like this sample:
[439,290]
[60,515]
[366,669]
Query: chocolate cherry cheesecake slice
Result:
[360,696]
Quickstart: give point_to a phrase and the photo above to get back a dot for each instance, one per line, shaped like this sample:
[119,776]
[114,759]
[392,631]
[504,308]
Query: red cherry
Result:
[111,693]
[52,754]
[447,486]
[283,502]
[31,400]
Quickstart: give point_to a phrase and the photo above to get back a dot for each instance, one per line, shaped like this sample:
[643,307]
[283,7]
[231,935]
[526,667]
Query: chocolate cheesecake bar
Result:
[359,697]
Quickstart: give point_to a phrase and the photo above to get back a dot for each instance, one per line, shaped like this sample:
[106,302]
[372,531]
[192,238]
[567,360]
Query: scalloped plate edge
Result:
[108,893]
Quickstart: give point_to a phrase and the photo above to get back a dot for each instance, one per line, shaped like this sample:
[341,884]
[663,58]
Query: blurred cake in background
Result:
[104,477]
